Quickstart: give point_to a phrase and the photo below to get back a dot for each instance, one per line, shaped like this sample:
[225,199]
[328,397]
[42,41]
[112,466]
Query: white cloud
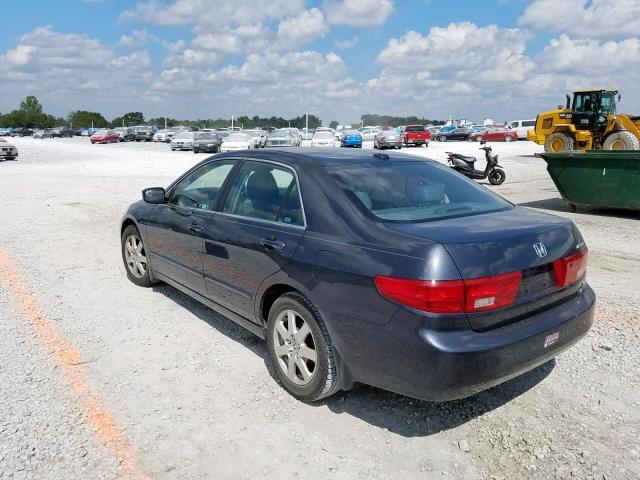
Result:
[584,18]
[137,38]
[304,27]
[344,44]
[56,66]
[211,13]
[358,13]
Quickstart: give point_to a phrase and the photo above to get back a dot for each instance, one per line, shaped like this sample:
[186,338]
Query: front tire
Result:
[300,349]
[497,176]
[559,142]
[135,257]
[508,138]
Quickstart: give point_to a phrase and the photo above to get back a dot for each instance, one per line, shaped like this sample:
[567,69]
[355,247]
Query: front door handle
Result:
[195,227]
[271,245]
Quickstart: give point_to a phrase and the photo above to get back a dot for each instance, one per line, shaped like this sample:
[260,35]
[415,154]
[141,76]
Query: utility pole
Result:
[231,122]
[307,122]
[165,123]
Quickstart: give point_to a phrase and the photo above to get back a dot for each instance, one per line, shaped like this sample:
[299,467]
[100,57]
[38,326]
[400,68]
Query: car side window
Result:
[200,189]
[259,191]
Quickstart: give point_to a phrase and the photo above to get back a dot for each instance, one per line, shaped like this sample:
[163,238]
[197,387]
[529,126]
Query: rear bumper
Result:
[409,357]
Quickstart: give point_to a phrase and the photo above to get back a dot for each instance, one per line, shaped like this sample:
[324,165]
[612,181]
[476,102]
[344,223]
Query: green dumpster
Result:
[598,178]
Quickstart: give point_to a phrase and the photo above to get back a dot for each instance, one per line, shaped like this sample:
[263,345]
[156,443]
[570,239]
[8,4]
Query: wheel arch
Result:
[126,222]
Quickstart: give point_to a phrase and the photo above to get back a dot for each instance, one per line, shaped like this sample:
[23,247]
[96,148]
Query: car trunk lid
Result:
[514,240]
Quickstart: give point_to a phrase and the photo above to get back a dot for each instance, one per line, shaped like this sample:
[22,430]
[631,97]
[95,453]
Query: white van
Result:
[522,127]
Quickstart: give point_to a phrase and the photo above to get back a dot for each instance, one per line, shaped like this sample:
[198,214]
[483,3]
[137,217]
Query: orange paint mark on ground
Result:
[70,363]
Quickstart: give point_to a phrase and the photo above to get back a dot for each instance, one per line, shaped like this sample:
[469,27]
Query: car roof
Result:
[324,157]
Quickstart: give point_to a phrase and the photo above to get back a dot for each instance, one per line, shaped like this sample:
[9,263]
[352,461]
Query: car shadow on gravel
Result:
[397,413]
[417,418]
[559,205]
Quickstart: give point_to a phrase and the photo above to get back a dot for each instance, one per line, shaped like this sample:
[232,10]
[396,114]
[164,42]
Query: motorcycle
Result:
[466,166]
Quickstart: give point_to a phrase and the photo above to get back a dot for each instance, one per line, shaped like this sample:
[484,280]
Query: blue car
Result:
[351,138]
[372,268]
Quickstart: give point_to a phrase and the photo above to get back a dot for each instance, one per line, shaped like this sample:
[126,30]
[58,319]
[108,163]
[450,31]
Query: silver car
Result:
[182,141]
[259,137]
[282,138]
[323,139]
[8,151]
[387,139]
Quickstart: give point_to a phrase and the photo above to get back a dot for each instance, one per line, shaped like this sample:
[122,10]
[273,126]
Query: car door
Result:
[253,235]
[175,230]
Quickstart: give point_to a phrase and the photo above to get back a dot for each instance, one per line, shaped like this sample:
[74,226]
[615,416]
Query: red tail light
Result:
[568,270]
[452,296]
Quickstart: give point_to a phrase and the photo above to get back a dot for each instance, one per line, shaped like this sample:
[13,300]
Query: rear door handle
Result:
[271,245]
[195,227]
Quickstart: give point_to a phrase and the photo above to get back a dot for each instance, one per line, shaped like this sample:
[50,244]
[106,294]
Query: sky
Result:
[338,59]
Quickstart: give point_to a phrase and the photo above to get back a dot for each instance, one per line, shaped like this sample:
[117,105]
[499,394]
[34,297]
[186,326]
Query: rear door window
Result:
[529,123]
[414,191]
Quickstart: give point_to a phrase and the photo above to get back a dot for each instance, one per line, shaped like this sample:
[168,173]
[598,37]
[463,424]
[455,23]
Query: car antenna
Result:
[381,156]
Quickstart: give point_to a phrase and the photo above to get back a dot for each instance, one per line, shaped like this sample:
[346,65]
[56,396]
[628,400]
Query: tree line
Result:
[31,115]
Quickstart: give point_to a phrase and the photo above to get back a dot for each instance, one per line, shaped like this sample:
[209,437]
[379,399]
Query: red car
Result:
[105,136]
[495,134]
[415,135]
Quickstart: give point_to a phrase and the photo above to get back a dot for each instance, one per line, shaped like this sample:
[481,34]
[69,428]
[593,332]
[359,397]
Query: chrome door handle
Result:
[271,245]
[195,228]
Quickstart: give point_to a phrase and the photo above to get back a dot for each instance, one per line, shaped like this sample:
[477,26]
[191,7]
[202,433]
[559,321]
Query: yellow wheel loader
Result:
[590,122]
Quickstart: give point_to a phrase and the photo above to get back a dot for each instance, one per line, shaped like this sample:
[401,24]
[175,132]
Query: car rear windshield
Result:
[410,192]
[415,128]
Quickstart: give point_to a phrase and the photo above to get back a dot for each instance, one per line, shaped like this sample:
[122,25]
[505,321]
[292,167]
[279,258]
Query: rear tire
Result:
[621,141]
[508,138]
[479,138]
[300,342]
[497,176]
[559,142]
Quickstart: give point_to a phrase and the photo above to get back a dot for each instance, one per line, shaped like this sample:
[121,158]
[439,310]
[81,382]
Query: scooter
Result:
[466,166]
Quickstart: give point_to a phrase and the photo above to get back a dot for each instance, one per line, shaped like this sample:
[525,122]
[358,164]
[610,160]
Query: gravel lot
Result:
[189,390]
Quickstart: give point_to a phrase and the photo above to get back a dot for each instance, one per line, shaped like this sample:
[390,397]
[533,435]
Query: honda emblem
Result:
[540,249]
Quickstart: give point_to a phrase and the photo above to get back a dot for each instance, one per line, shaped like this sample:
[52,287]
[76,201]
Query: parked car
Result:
[21,132]
[259,137]
[499,134]
[297,137]
[522,127]
[281,138]
[351,138]
[206,142]
[145,134]
[61,132]
[415,135]
[182,141]
[8,151]
[361,268]
[164,135]
[323,138]
[387,139]
[237,141]
[42,133]
[104,135]
[125,134]
[87,132]
[6,131]
[368,133]
[307,134]
[460,133]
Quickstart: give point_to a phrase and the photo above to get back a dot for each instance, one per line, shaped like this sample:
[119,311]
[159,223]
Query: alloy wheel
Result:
[135,256]
[295,347]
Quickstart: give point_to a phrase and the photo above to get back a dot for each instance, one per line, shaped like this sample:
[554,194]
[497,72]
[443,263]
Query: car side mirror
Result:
[155,195]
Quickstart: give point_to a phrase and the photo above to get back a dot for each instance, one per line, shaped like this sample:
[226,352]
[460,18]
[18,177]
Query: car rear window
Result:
[410,192]
[415,128]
